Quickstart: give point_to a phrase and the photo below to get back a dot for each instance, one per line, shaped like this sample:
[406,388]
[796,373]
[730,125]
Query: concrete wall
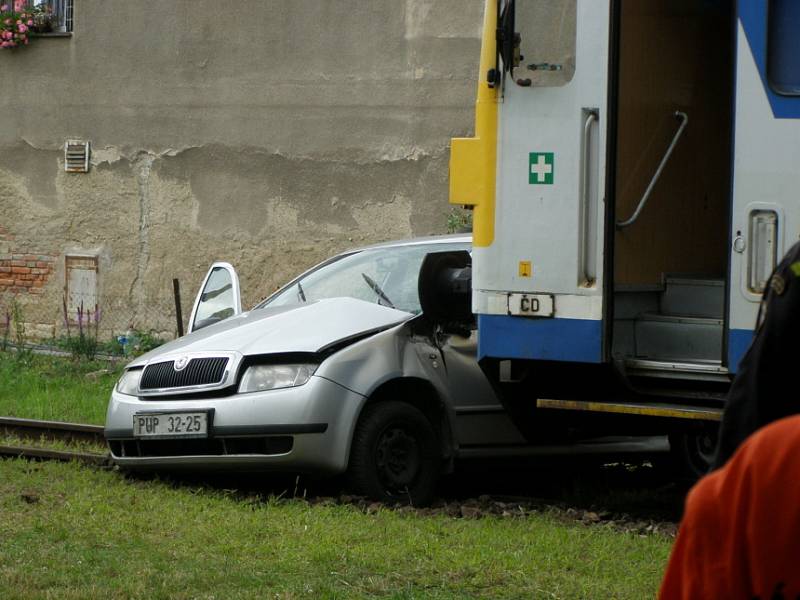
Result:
[268,133]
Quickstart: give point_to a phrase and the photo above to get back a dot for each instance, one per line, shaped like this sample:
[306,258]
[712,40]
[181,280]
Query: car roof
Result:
[464,238]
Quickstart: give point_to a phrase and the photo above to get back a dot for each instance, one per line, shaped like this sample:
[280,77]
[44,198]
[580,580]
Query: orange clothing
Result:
[740,534]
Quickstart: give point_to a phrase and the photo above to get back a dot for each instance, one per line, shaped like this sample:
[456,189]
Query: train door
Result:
[671,190]
[766,213]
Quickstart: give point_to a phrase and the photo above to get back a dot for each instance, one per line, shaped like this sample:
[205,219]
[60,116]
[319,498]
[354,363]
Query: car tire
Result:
[693,452]
[394,457]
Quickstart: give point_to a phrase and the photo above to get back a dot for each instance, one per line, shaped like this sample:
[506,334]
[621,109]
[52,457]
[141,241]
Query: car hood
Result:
[297,328]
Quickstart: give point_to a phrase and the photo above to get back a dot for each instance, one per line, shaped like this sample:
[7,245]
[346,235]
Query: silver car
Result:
[338,371]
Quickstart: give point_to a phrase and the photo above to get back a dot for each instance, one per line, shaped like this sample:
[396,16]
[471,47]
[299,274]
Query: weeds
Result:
[133,343]
[143,341]
[6,330]
[13,319]
[85,344]
[459,220]
[19,324]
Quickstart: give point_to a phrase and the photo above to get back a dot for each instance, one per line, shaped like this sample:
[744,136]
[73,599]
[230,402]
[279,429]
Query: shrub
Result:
[138,342]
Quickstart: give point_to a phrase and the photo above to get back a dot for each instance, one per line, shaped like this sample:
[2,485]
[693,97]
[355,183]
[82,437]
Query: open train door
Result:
[765,214]
[540,220]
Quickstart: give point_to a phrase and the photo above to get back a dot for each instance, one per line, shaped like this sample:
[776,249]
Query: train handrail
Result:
[684,118]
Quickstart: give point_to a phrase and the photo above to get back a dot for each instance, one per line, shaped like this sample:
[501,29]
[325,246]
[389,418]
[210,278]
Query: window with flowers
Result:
[19,19]
[15,24]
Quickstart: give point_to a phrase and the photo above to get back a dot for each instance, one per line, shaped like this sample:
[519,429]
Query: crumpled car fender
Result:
[393,354]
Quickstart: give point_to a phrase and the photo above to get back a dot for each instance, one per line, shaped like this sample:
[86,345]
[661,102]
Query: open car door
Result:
[219,297]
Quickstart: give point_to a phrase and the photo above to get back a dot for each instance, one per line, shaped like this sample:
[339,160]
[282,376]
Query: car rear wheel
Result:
[394,456]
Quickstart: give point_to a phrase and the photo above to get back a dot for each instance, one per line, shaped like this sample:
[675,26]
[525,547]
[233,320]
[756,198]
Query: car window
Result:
[216,301]
[387,276]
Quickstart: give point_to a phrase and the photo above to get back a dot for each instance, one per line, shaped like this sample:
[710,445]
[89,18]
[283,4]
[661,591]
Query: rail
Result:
[33,429]
[684,118]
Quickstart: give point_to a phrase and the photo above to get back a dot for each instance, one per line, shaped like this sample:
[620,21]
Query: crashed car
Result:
[337,372]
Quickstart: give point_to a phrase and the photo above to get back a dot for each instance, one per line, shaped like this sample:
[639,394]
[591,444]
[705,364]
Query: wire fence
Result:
[40,320]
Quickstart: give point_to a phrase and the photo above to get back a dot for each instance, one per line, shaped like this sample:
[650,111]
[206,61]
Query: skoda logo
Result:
[180,364]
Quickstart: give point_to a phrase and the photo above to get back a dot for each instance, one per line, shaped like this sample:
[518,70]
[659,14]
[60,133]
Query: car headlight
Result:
[259,378]
[129,382]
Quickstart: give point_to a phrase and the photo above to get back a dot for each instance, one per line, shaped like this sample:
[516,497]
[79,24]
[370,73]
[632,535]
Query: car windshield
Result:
[387,276]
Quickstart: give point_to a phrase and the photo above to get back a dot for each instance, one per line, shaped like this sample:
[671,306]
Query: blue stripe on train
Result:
[574,340]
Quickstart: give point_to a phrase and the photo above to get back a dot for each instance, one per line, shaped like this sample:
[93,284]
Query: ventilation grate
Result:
[76,156]
[215,446]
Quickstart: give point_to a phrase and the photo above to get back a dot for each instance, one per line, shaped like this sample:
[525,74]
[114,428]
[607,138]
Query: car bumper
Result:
[304,429]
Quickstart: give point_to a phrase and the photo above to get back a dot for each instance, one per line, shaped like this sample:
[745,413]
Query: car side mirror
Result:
[445,288]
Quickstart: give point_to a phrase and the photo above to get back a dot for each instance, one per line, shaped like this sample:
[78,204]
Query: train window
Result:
[783,47]
[547,47]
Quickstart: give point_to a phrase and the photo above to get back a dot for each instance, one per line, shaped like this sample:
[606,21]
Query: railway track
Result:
[31,429]
[641,513]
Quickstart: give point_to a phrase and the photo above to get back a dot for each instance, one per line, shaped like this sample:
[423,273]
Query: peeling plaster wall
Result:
[270,136]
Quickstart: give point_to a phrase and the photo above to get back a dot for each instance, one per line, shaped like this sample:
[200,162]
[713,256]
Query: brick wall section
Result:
[23,271]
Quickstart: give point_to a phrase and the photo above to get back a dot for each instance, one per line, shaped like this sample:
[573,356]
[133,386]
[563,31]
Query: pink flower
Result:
[22,27]
[30,22]
[4,7]
[19,5]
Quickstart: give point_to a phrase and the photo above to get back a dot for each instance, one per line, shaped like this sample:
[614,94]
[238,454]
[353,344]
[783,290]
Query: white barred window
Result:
[51,16]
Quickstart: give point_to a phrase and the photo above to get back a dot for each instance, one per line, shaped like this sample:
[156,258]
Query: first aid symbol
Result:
[540,168]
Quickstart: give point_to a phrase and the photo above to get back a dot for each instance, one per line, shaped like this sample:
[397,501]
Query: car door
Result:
[218,299]
[481,419]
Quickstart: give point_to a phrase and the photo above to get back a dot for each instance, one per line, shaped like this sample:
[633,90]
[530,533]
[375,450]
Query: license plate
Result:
[170,424]
[530,305]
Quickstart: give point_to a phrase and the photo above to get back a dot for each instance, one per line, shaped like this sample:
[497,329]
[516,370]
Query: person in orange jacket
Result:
[740,534]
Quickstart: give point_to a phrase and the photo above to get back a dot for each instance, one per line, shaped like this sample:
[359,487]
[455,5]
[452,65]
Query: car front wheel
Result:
[694,452]
[394,456]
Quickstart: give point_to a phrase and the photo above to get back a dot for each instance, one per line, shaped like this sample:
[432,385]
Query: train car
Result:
[633,179]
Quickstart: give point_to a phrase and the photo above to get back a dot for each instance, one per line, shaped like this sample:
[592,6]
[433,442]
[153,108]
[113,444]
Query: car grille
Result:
[199,371]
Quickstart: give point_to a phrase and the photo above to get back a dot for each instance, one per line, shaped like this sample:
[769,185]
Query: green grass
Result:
[57,389]
[72,532]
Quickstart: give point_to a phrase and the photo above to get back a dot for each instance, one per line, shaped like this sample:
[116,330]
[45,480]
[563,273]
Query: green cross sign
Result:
[540,168]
